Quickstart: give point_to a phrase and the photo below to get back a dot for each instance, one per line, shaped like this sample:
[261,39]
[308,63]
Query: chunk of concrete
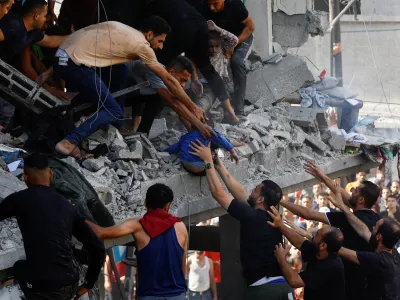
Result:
[172,141]
[267,158]
[159,126]
[268,139]
[254,146]
[137,149]
[262,120]
[303,117]
[165,156]
[94,164]
[261,130]
[337,142]
[290,31]
[118,145]
[257,88]
[121,173]
[282,134]
[244,151]
[316,144]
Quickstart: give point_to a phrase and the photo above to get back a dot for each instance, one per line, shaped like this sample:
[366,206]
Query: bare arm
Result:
[294,238]
[299,230]
[349,255]
[176,89]
[212,279]
[304,212]
[26,64]
[312,169]
[2,38]
[247,30]
[292,277]
[53,41]
[128,227]
[235,188]
[216,189]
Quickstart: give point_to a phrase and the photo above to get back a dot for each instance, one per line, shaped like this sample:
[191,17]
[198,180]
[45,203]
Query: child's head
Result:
[214,43]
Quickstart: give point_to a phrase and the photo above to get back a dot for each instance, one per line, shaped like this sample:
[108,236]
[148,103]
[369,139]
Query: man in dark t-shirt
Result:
[233,16]
[47,222]
[361,201]
[323,277]
[261,271]
[380,267]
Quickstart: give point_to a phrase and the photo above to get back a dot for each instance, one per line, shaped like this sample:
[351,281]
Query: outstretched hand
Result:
[311,168]
[201,151]
[234,156]
[337,200]
[213,26]
[278,222]
[280,253]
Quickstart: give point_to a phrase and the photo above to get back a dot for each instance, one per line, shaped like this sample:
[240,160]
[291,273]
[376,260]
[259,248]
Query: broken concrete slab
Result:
[118,145]
[157,128]
[262,120]
[282,134]
[261,130]
[318,22]
[94,164]
[290,31]
[121,173]
[317,144]
[268,139]
[303,117]
[254,146]
[165,156]
[244,150]
[337,142]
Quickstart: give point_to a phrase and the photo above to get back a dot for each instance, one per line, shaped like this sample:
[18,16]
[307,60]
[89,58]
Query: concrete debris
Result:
[127,155]
[260,129]
[337,142]
[316,144]
[118,145]
[165,156]
[254,146]
[93,164]
[157,128]
[281,134]
[121,173]
[274,58]
[244,150]
[262,120]
[144,176]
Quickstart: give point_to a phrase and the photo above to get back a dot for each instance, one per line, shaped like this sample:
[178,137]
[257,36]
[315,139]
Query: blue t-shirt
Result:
[141,73]
[16,37]
[183,146]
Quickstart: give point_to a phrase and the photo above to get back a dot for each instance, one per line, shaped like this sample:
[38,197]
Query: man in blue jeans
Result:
[234,17]
[111,44]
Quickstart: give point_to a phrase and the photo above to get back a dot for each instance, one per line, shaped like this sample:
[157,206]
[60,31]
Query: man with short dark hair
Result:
[233,16]
[395,188]
[161,242]
[257,239]
[381,267]
[324,275]
[361,201]
[83,51]
[149,103]
[360,177]
[47,222]
[392,210]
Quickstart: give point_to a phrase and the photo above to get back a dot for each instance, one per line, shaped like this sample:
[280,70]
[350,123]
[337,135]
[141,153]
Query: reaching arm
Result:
[53,41]
[349,255]
[247,30]
[183,111]
[128,227]
[216,189]
[176,89]
[305,213]
[235,188]
[311,168]
[299,230]
[292,277]
[294,238]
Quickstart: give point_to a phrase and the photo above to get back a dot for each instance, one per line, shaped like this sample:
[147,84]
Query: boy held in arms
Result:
[219,42]
[192,163]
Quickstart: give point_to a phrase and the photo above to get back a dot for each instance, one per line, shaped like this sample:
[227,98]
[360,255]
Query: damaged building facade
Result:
[275,141]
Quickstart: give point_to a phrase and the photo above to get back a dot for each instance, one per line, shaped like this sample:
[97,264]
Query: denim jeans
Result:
[90,85]
[180,297]
[238,68]
[207,295]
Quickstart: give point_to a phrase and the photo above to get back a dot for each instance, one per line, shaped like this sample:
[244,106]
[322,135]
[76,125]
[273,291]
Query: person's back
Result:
[160,266]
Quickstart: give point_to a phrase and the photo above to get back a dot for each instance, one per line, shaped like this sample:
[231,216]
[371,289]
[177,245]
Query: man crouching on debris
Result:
[47,222]
[257,239]
[161,242]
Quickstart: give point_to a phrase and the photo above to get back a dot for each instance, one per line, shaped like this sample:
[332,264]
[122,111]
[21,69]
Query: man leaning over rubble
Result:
[257,239]
[161,243]
[47,222]
[150,104]
[361,201]
[105,45]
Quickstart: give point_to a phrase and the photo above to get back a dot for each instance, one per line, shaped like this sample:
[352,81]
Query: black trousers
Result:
[148,107]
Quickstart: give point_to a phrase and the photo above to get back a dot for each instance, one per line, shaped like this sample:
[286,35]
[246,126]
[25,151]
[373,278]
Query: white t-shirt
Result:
[199,278]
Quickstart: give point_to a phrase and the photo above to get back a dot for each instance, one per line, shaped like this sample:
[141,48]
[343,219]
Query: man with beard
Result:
[257,238]
[361,201]
[320,255]
[381,267]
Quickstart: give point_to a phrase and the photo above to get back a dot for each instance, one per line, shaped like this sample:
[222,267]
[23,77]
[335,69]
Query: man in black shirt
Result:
[361,201]
[381,267]
[233,16]
[189,34]
[323,277]
[257,239]
[47,222]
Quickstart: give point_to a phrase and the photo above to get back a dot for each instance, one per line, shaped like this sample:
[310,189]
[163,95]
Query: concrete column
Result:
[261,12]
[233,284]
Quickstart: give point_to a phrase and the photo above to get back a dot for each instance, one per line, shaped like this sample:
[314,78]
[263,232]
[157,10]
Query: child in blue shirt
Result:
[192,163]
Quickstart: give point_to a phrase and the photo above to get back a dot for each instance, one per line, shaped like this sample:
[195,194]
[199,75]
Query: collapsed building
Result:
[273,143]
